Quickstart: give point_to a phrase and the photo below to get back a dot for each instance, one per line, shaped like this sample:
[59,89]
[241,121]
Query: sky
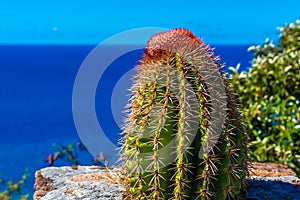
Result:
[92,21]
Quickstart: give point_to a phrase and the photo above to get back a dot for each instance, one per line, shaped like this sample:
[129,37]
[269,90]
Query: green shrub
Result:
[270,95]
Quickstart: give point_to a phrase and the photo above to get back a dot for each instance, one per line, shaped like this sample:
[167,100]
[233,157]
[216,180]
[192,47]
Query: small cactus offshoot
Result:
[183,137]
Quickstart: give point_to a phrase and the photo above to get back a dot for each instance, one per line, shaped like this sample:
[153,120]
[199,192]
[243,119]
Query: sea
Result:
[36,88]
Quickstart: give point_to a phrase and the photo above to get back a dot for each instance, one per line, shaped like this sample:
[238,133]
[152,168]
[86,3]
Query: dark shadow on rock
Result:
[268,188]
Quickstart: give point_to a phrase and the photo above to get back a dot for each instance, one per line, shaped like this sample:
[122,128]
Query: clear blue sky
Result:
[92,21]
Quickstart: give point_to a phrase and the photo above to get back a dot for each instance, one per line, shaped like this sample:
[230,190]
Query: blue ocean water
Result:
[36,84]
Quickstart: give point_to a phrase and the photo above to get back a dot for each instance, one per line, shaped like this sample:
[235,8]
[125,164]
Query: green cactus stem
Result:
[183,137]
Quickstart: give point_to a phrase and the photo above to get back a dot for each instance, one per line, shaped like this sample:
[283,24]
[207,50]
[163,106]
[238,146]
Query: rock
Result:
[270,169]
[42,186]
[82,182]
[266,181]
[264,188]
[272,181]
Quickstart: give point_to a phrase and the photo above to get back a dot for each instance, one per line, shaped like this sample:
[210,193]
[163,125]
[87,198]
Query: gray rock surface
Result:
[94,183]
[83,182]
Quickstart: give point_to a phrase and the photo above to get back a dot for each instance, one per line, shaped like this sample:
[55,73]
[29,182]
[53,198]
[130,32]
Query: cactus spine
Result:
[183,138]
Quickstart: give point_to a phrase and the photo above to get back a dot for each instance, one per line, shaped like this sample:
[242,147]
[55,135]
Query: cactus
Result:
[183,137]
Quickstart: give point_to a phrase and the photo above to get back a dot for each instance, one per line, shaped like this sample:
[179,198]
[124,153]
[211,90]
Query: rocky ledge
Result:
[266,181]
[82,182]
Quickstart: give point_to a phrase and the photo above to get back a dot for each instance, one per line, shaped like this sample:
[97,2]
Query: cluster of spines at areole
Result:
[161,125]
